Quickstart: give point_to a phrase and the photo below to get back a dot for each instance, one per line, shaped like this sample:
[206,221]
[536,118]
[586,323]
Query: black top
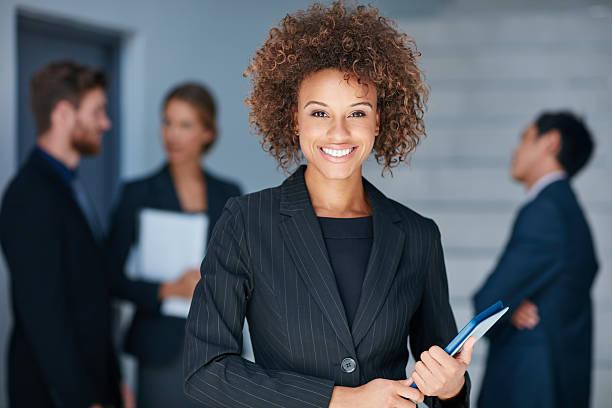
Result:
[348,242]
[64,172]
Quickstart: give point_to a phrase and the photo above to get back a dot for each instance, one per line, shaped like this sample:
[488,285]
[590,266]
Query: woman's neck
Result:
[190,185]
[185,170]
[344,198]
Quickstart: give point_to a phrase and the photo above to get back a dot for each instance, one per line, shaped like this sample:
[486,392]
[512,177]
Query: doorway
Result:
[41,40]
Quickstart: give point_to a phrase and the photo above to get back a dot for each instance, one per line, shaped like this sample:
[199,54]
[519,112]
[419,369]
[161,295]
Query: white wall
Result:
[490,75]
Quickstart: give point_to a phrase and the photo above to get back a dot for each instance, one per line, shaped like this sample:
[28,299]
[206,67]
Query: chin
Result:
[89,149]
[516,176]
[174,157]
[331,171]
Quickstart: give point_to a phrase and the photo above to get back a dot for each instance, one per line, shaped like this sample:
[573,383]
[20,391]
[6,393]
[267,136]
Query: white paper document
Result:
[169,243]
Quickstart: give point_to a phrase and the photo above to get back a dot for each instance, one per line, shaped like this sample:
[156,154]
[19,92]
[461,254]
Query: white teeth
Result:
[337,152]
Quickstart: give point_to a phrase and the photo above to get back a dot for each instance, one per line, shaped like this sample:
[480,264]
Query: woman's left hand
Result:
[439,375]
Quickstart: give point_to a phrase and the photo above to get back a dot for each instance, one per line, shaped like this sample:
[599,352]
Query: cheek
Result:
[365,132]
[193,140]
[83,126]
[309,132]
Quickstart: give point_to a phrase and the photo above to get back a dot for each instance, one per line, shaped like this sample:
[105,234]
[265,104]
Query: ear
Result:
[208,135]
[552,139]
[296,128]
[63,115]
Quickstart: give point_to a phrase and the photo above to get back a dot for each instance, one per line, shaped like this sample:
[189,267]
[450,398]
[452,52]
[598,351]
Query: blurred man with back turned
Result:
[542,355]
[61,352]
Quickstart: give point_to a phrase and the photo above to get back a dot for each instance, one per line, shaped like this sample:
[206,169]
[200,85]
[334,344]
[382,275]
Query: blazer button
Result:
[348,365]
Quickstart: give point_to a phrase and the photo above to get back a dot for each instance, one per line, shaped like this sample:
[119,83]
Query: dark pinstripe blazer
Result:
[267,260]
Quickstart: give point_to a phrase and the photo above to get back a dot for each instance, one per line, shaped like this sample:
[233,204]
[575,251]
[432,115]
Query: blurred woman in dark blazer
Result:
[188,131]
[333,276]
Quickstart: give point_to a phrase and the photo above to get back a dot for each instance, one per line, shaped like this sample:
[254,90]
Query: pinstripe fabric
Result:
[267,261]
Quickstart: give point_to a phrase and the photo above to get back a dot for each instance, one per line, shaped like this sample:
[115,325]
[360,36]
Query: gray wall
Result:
[164,42]
[489,76]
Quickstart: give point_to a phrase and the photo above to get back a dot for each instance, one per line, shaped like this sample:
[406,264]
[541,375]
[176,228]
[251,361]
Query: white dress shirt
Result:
[544,182]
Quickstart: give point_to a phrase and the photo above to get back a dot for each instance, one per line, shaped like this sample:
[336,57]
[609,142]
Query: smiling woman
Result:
[359,43]
[333,276]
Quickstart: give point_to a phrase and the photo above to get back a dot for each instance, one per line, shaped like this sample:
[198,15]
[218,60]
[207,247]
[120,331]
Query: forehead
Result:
[530,131]
[332,85]
[94,97]
[179,107]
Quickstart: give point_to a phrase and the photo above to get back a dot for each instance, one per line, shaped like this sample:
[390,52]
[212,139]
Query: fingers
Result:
[437,373]
[432,365]
[465,355]
[404,390]
[428,382]
[526,316]
[420,382]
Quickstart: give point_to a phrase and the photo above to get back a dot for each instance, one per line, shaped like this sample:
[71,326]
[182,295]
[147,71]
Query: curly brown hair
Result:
[357,41]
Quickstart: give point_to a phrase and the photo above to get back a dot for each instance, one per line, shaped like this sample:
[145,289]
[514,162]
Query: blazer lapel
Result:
[302,234]
[165,195]
[167,198]
[387,248]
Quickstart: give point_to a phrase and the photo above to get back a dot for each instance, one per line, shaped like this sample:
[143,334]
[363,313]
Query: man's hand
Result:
[378,393]
[129,401]
[526,316]
[439,375]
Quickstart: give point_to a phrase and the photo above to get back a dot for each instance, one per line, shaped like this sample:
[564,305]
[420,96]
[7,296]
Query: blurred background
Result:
[492,66]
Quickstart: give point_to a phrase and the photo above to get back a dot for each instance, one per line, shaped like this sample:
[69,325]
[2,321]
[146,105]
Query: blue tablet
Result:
[477,327]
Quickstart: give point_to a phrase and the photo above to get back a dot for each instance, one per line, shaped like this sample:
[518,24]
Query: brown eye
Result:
[357,114]
[319,114]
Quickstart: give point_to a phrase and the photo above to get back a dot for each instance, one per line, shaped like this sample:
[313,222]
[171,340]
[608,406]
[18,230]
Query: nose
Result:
[106,123]
[170,133]
[339,130]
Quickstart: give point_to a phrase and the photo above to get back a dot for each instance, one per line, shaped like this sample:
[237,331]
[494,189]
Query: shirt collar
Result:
[544,182]
[66,173]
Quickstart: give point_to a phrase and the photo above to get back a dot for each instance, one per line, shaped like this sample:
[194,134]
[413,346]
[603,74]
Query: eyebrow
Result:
[323,104]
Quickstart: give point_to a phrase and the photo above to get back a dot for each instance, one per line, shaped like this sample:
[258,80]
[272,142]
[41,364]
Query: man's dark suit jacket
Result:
[61,352]
[549,260]
[267,261]
[153,338]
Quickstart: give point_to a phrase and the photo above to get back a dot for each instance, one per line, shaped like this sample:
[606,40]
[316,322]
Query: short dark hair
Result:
[60,81]
[200,98]
[577,144]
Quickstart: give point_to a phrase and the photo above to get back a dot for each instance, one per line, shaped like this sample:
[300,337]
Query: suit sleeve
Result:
[120,239]
[433,322]
[531,260]
[32,248]
[215,373]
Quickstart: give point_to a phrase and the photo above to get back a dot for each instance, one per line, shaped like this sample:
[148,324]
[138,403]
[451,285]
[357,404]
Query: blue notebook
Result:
[477,327]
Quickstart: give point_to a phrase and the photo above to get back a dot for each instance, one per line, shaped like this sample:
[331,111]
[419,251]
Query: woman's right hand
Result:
[183,287]
[377,393]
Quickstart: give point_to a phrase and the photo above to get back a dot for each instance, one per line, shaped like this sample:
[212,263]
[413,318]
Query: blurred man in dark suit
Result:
[541,356]
[60,353]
